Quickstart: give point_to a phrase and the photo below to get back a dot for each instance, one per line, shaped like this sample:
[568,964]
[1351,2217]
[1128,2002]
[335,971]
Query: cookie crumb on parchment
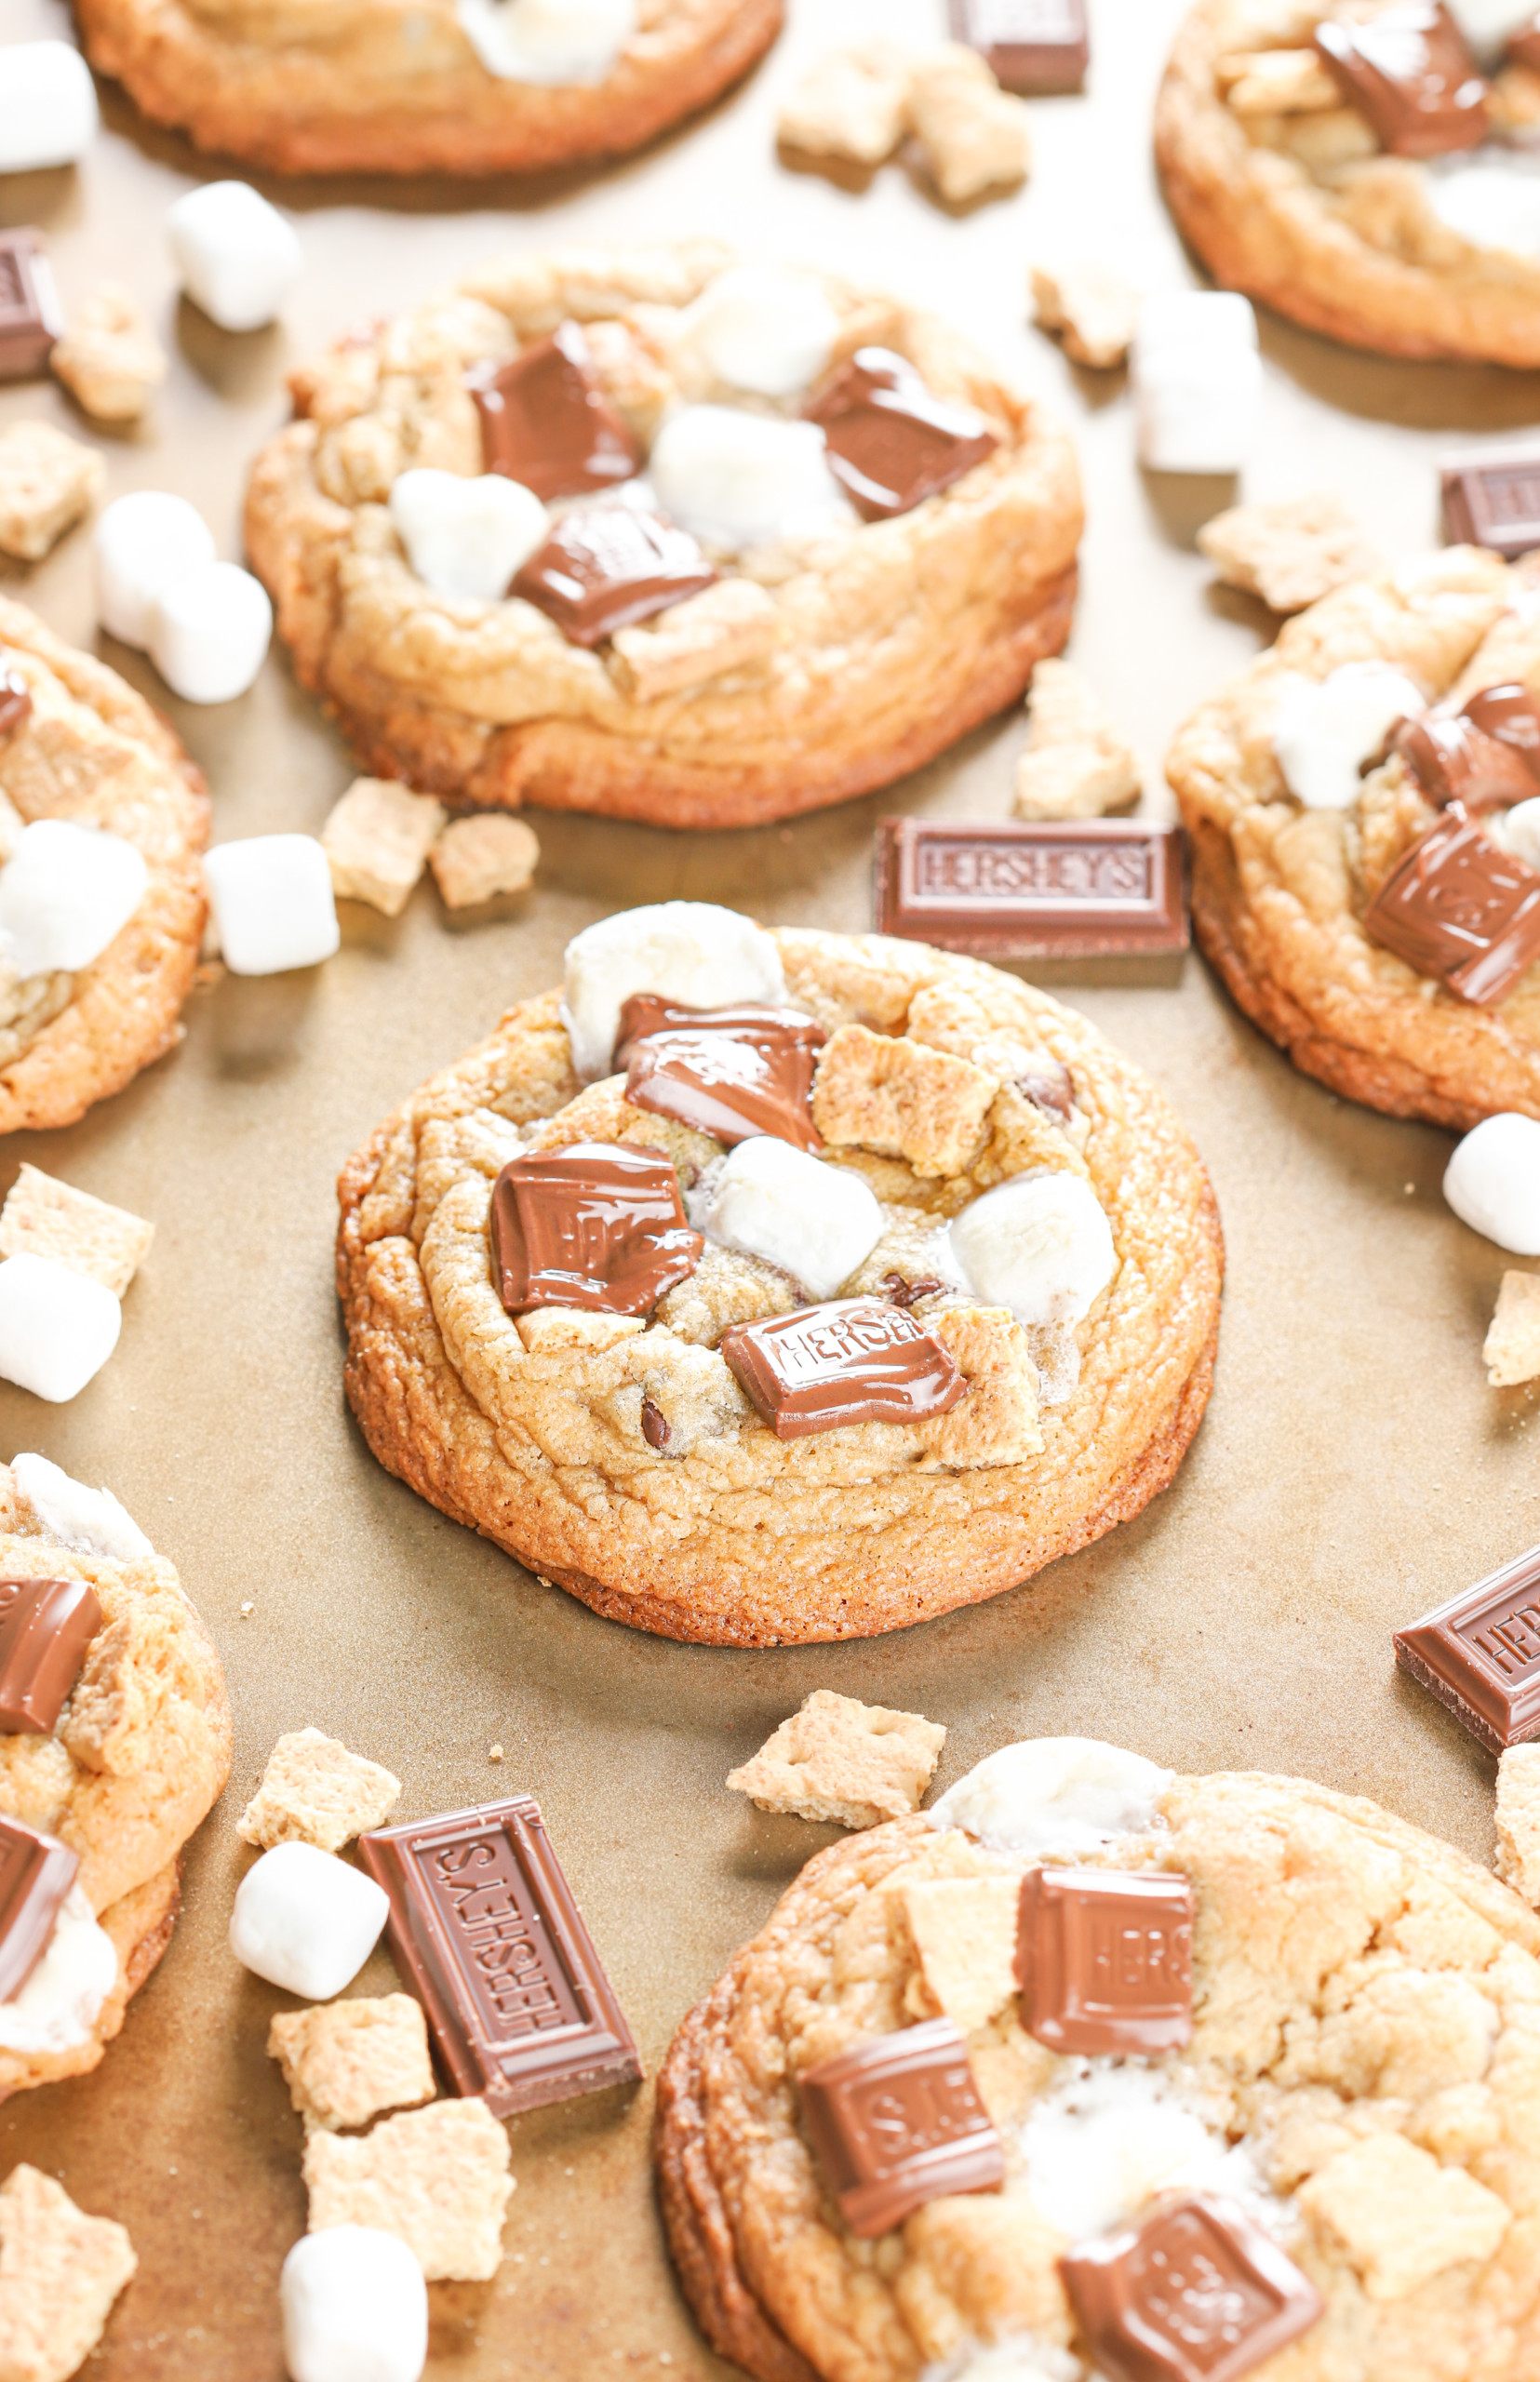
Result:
[108,358]
[850,103]
[1089,307]
[1077,765]
[345,2061]
[1290,553]
[60,2272]
[839,1760]
[52,1219]
[438,2177]
[1512,1347]
[313,1791]
[47,483]
[377,838]
[488,853]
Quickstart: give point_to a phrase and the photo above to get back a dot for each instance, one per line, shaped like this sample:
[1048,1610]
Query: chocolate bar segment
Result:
[1524,47]
[36,1872]
[1013,891]
[1460,909]
[848,1360]
[596,1224]
[1509,714]
[1409,71]
[1480,1655]
[31,316]
[1039,47]
[1493,504]
[730,1072]
[45,1626]
[898,2122]
[546,422]
[1195,2292]
[1103,1960]
[608,565]
[484,1929]
[890,442]
[1452,760]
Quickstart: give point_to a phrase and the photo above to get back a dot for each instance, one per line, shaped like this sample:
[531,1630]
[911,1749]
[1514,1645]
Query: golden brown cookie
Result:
[1357,2084]
[395,86]
[87,749]
[618,1456]
[1281,889]
[874,644]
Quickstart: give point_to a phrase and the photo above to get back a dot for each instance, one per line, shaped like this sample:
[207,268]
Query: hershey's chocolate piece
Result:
[1459,908]
[596,1224]
[649,1013]
[1039,47]
[546,422]
[1409,71]
[1495,505]
[733,1072]
[15,700]
[1510,713]
[1479,1654]
[31,316]
[1017,890]
[1454,760]
[1103,1960]
[36,1872]
[1194,2292]
[890,441]
[898,2122]
[609,565]
[847,1360]
[1523,47]
[485,1930]
[45,1626]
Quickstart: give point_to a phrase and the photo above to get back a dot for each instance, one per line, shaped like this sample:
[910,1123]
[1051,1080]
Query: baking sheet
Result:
[1354,1466]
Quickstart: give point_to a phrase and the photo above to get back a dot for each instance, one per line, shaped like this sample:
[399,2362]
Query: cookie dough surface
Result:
[394,86]
[734,1536]
[1364,2063]
[1280,891]
[895,636]
[94,751]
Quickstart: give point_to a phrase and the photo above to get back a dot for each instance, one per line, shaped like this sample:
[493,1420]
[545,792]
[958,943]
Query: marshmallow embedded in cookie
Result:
[1197,377]
[547,41]
[272,904]
[66,892]
[1039,1244]
[466,537]
[1493,1182]
[1519,832]
[816,1221]
[48,106]
[1100,2147]
[1054,1796]
[306,1921]
[237,256]
[1493,204]
[762,328]
[691,952]
[209,631]
[355,2308]
[143,542]
[1326,730]
[736,479]
[57,1327]
[89,1520]
[61,2001]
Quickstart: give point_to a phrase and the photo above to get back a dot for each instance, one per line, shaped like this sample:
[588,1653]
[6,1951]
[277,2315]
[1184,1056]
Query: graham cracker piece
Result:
[964,1935]
[437,2178]
[723,628]
[975,134]
[997,1422]
[1091,307]
[377,838]
[488,853]
[1518,1815]
[1077,764]
[52,1219]
[1511,1350]
[1400,2217]
[1277,82]
[108,358]
[345,2061]
[47,483]
[60,2272]
[313,1791]
[850,103]
[902,1099]
[838,1760]
[1290,554]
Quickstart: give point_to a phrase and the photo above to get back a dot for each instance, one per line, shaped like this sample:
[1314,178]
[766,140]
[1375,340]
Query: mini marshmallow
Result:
[48,106]
[1039,1244]
[1520,831]
[1493,1182]
[57,1328]
[1495,205]
[741,480]
[466,537]
[355,2308]
[691,952]
[1054,1796]
[237,256]
[1326,730]
[210,632]
[272,904]
[142,543]
[762,328]
[1021,2357]
[1197,381]
[306,1921]
[89,1520]
[813,1220]
[65,893]
[547,41]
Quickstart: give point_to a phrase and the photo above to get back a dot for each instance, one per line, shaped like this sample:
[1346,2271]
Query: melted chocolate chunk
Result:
[1480,1655]
[1460,909]
[1495,505]
[890,442]
[45,1626]
[1453,761]
[1510,713]
[899,1293]
[15,700]
[1524,47]
[898,2122]
[1039,47]
[36,1872]
[1410,73]
[1195,2292]
[1048,1085]
[654,1424]
[546,422]
[31,317]
[609,565]
[596,1224]
[730,1072]
[1103,1960]
[848,1360]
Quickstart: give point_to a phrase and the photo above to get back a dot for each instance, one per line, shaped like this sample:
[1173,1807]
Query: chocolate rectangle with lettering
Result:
[31,316]
[45,1626]
[597,1225]
[1495,503]
[1460,908]
[1196,2292]
[1103,1960]
[1481,1655]
[848,1360]
[1039,47]
[898,2122]
[1012,890]
[36,1872]
[485,1930]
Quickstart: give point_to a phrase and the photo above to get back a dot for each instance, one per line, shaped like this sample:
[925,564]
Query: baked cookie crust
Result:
[394,86]
[745,1539]
[896,637]
[1305,212]
[93,751]
[1279,892]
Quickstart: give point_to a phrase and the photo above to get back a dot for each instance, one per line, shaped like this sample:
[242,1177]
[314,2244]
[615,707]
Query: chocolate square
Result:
[897,2122]
[1103,1960]
[1509,714]
[1013,891]
[1195,2292]
[1495,505]
[45,1626]
[609,565]
[1459,908]
[1524,47]
[546,423]
[1454,760]
[1480,1655]
[1409,71]
[1039,47]
[36,1872]
[597,1225]
[847,1360]
[31,316]
[891,443]
[730,1072]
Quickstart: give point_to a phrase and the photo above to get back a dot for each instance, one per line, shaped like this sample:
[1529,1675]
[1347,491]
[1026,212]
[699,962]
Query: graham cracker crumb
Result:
[108,358]
[1290,553]
[313,1791]
[1400,2217]
[60,2272]
[1512,1346]
[1077,764]
[1277,82]
[838,1760]
[723,628]
[973,134]
[1518,1817]
[997,1422]
[53,1219]
[477,857]
[548,1328]
[47,483]
[1091,308]
[345,2061]
[964,1934]
[850,103]
[437,2178]
[377,838]
[902,1099]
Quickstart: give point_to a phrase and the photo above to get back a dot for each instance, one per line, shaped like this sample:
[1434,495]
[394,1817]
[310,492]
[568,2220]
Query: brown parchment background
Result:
[1354,1466]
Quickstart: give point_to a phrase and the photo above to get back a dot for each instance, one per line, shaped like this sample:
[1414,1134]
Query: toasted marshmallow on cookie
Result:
[762,328]
[814,1221]
[48,106]
[735,480]
[1039,1244]
[1054,1796]
[237,256]
[61,2001]
[466,537]
[89,1520]
[1493,1182]
[1197,377]
[691,952]
[1327,729]
[355,2308]
[548,42]
[142,543]
[66,892]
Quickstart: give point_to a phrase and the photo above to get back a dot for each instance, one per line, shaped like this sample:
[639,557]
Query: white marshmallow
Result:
[1519,831]
[48,106]
[1021,2357]
[466,537]
[306,1921]
[65,893]
[758,327]
[1487,24]
[547,41]
[1326,730]
[143,542]
[741,480]
[61,2002]
[89,1520]
[272,904]
[210,632]
[1100,2146]
[57,1328]
[1039,1244]
[354,2306]
[690,952]
[1049,1798]
[1197,380]
[1493,1182]
[813,1220]
[238,257]
[1493,205]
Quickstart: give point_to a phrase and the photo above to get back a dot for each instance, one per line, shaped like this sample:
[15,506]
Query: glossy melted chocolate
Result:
[46,1627]
[1194,2292]
[1459,908]
[596,1224]
[734,1073]
[1410,73]
[890,442]
[609,565]
[848,1360]
[1103,1960]
[546,422]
